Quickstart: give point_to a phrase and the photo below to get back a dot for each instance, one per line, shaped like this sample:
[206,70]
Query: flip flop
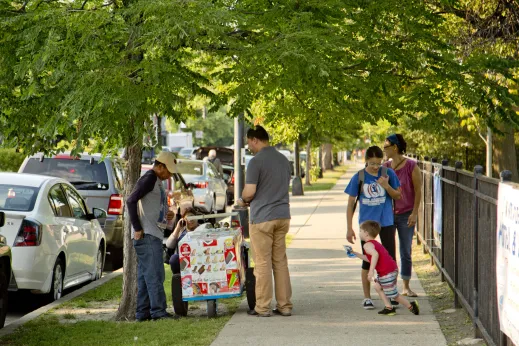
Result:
[412,295]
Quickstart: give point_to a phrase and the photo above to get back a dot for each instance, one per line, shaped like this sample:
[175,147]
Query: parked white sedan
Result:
[209,187]
[56,242]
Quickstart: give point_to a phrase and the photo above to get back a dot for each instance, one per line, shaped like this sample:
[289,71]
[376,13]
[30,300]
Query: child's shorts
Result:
[388,284]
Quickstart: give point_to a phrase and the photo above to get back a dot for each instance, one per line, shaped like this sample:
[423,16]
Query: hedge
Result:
[10,160]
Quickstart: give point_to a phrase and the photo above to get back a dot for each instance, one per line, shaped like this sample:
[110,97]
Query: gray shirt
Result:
[269,170]
[147,206]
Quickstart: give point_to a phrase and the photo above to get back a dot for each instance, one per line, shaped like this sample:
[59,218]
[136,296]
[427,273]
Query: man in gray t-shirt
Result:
[266,191]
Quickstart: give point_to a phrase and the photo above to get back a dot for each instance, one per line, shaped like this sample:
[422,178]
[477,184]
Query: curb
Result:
[11,327]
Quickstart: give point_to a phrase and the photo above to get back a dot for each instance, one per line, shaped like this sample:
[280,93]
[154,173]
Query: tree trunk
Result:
[159,133]
[504,152]
[308,163]
[126,311]
[320,160]
[327,157]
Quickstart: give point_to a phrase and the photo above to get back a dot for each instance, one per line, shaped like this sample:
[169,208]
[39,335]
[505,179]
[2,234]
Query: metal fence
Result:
[466,250]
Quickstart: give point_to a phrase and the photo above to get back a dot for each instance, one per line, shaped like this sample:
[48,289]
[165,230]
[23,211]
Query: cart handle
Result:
[211,216]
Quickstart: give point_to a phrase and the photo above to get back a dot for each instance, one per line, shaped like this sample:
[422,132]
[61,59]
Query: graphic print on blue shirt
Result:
[375,203]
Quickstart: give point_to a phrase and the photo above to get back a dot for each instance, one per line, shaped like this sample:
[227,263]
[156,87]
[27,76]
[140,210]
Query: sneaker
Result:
[167,316]
[415,309]
[254,313]
[394,303]
[387,311]
[285,314]
[368,304]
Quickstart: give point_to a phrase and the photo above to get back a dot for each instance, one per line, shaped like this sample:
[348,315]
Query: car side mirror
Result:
[99,213]
[2,219]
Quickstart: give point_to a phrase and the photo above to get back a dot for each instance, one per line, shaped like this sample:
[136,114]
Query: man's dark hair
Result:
[259,132]
[158,164]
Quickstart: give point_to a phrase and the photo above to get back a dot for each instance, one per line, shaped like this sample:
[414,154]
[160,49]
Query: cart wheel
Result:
[179,305]
[211,308]
[250,287]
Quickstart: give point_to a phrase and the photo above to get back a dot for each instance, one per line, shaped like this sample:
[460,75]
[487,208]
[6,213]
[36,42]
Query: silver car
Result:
[188,153]
[100,183]
[209,187]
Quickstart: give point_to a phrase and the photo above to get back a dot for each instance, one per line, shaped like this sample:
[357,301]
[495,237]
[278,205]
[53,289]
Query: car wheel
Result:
[213,207]
[114,261]
[180,306]
[100,261]
[56,288]
[224,205]
[4,285]
[212,308]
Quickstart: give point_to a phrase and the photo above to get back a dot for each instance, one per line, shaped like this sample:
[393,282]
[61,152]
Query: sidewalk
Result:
[327,291]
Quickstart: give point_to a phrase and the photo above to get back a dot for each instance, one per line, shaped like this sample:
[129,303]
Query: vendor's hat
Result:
[169,160]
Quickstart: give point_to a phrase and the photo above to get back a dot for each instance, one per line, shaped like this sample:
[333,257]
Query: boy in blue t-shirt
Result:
[376,204]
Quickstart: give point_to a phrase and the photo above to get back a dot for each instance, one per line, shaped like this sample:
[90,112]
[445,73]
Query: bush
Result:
[10,160]
[314,173]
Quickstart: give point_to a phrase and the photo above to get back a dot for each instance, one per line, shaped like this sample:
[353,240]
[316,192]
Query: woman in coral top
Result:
[406,208]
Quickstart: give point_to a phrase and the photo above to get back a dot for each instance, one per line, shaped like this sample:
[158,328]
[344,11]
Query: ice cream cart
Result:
[214,264]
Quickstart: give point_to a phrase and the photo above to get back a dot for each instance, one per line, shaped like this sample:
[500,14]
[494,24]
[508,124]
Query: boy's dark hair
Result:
[258,132]
[372,227]
[399,141]
[374,151]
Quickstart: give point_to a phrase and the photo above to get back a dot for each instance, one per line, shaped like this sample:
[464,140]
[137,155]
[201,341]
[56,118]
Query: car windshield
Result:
[190,168]
[185,152]
[17,198]
[80,173]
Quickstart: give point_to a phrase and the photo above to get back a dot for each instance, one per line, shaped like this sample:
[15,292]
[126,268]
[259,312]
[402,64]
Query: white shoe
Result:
[368,304]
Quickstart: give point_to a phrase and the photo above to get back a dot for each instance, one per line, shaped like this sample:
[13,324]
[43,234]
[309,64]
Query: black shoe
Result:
[254,313]
[167,316]
[277,312]
[415,309]
[368,304]
[144,319]
[394,303]
[387,311]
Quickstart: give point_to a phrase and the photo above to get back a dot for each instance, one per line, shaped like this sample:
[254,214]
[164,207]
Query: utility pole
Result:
[239,176]
[297,183]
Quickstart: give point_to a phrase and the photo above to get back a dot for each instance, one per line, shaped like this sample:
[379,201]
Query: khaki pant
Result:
[269,253]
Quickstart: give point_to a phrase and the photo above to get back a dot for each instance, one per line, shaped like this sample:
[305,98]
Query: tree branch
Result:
[300,100]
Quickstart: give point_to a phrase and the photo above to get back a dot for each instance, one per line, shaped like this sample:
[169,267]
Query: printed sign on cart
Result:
[507,261]
[210,264]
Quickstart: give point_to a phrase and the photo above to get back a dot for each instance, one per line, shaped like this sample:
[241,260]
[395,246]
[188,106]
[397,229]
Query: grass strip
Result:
[455,324]
[328,180]
[50,329]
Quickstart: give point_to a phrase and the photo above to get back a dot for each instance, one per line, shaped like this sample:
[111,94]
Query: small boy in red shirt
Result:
[386,267]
